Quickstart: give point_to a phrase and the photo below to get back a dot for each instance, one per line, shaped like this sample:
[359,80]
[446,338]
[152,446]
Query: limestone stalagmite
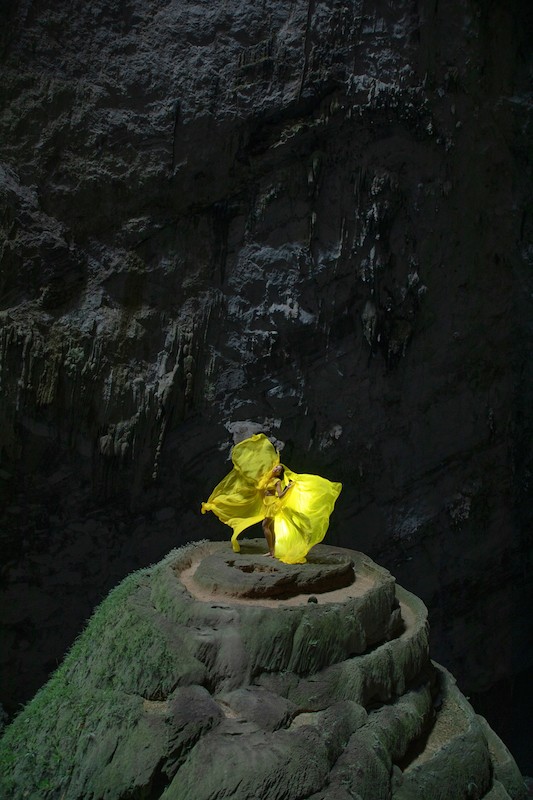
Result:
[189,685]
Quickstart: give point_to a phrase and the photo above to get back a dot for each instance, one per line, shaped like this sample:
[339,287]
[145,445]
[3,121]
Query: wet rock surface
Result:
[307,219]
[166,695]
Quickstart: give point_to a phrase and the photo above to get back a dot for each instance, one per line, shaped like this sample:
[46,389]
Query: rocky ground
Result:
[305,218]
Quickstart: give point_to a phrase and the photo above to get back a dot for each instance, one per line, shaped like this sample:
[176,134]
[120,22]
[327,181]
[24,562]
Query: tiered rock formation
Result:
[213,675]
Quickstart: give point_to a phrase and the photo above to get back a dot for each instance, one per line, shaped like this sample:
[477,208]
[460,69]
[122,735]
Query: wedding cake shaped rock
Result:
[220,675]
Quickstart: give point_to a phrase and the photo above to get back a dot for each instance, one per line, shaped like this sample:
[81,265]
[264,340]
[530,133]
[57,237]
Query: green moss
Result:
[106,655]
[128,652]
[99,620]
[41,748]
[170,597]
[110,660]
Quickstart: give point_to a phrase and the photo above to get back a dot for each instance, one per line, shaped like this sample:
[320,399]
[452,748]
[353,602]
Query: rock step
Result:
[366,766]
[271,635]
[497,792]
[506,772]
[382,673]
[455,762]
[252,574]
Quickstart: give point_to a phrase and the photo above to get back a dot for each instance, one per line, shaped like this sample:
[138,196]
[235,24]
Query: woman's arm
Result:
[281,492]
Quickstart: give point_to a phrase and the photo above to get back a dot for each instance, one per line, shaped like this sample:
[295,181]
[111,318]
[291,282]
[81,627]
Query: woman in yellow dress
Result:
[293,508]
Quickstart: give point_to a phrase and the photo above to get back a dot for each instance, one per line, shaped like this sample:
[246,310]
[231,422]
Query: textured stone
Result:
[506,772]
[249,576]
[455,761]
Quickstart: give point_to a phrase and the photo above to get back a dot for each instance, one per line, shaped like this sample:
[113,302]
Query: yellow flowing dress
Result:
[301,516]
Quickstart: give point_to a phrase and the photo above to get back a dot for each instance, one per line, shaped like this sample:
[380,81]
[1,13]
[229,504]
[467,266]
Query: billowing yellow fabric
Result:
[301,516]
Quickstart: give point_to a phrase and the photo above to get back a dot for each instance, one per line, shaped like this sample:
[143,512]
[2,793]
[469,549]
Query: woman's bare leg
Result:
[268,530]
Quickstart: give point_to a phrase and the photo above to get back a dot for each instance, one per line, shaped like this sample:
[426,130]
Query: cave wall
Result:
[305,218]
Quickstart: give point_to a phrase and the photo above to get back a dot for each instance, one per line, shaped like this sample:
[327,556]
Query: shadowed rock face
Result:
[303,218]
[178,691]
